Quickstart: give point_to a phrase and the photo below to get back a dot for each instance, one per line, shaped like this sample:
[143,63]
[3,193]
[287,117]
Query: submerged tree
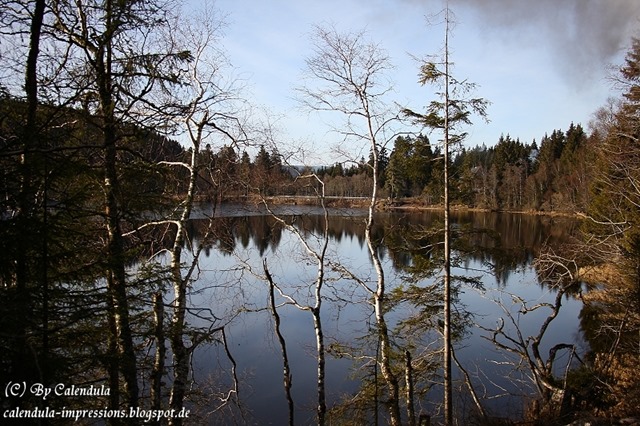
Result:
[453,109]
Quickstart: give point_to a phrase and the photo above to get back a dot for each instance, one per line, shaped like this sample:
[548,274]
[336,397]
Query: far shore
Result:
[404,204]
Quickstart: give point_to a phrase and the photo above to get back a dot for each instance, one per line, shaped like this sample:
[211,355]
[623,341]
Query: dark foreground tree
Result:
[117,70]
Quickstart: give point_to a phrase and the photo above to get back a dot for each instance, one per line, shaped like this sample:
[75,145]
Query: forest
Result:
[119,127]
[510,175]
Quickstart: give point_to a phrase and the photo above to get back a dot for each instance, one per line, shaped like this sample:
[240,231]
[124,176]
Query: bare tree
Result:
[205,108]
[347,75]
[286,370]
[509,336]
[318,254]
[211,111]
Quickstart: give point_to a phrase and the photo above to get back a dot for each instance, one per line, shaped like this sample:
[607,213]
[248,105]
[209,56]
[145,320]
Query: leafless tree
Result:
[318,255]
[347,75]
[286,369]
[211,111]
[206,108]
[560,274]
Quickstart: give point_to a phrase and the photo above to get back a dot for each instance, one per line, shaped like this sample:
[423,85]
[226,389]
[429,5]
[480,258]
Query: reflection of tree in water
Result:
[262,232]
[412,244]
[504,242]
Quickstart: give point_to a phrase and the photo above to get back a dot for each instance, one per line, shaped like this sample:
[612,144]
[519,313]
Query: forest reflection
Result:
[409,243]
[506,241]
[496,246]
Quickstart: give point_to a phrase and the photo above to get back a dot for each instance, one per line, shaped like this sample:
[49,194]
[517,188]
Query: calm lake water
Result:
[498,251]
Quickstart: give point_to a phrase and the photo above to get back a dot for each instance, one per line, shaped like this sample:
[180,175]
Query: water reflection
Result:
[497,248]
[504,239]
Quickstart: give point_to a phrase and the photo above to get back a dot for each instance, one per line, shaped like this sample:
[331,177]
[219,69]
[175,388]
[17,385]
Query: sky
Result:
[541,64]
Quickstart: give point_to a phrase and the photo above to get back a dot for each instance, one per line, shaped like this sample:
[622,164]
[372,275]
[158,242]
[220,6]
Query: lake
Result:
[495,249]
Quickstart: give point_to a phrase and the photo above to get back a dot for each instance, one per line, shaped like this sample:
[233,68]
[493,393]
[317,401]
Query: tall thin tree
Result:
[114,69]
[452,110]
[349,77]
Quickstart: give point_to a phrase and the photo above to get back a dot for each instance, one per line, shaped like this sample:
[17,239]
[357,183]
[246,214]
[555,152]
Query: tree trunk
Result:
[317,321]
[116,275]
[379,299]
[322,404]
[411,415]
[22,361]
[283,345]
[158,364]
[113,366]
[181,353]
[448,398]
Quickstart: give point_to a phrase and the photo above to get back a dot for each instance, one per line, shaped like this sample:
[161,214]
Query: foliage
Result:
[611,256]
[410,166]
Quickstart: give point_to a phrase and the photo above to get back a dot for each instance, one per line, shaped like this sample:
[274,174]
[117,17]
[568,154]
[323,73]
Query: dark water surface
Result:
[230,285]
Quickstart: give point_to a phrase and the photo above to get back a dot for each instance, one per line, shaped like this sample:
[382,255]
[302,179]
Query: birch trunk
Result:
[181,353]
[317,321]
[158,364]
[411,415]
[287,379]
[379,295]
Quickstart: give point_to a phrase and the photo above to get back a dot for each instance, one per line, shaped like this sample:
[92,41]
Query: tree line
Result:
[510,175]
[554,176]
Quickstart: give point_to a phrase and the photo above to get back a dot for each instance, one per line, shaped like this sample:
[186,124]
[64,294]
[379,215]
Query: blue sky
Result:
[542,64]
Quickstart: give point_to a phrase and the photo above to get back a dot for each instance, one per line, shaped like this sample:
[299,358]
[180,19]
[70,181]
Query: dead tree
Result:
[508,335]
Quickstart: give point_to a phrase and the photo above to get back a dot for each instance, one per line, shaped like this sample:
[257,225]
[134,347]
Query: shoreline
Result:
[400,205]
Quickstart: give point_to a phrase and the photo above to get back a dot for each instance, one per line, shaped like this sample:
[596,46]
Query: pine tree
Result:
[448,113]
